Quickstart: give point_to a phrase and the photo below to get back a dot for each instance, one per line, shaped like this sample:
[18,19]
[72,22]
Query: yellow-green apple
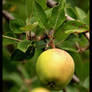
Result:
[40,89]
[55,68]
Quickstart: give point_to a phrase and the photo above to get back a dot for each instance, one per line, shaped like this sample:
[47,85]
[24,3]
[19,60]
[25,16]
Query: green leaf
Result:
[49,12]
[75,27]
[8,65]
[78,63]
[30,65]
[86,19]
[67,28]
[71,89]
[81,88]
[36,83]
[60,35]
[29,5]
[57,17]
[85,71]
[17,55]
[23,71]
[86,83]
[29,27]
[40,14]
[81,68]
[16,78]
[42,3]
[23,45]
[80,13]
[83,41]
[30,52]
[14,89]
[69,43]
[5,74]
[8,41]
[40,44]
[15,25]
[71,12]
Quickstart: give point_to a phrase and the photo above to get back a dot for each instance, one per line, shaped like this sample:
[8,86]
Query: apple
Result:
[40,89]
[55,68]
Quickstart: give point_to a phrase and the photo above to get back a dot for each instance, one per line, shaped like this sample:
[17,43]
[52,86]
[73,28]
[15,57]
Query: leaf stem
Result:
[11,38]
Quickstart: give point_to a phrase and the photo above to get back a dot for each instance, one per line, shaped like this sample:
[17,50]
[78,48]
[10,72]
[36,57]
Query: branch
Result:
[87,35]
[11,38]
[51,3]
[68,17]
[3,2]
[7,15]
[75,79]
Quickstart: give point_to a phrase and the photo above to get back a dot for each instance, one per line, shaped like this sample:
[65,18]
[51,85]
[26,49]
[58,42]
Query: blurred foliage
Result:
[33,16]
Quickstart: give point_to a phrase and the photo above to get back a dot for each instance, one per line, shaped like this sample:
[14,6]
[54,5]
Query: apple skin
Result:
[55,68]
[40,89]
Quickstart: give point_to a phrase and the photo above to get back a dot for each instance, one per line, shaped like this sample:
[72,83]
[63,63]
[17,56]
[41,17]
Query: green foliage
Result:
[80,13]
[74,27]
[71,12]
[28,9]
[23,45]
[29,27]
[40,14]
[20,54]
[57,17]
[69,43]
[15,25]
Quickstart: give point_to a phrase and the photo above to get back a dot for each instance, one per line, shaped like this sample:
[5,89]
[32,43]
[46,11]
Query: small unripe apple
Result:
[55,68]
[40,89]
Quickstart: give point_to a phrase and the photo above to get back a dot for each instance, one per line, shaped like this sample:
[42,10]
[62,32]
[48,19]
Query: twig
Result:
[68,17]
[87,35]
[75,79]
[30,81]
[51,3]
[83,49]
[7,15]
[3,2]
[42,37]
[11,38]
[80,50]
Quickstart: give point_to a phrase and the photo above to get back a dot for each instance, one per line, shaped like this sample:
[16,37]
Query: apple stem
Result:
[50,35]
[52,43]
